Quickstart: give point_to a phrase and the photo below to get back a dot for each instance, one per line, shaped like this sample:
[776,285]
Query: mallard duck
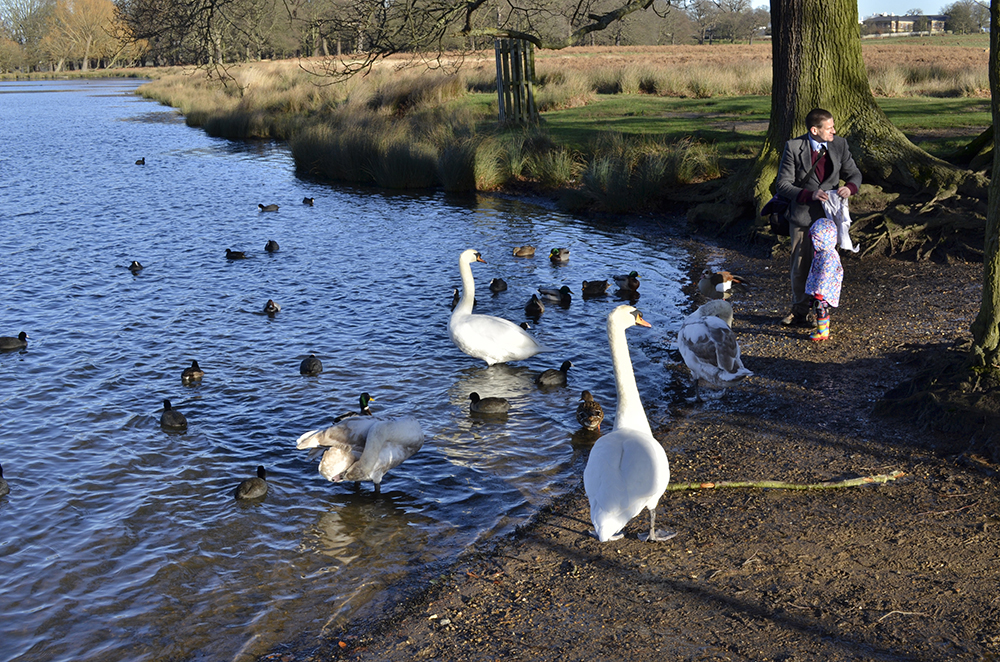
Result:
[271,246]
[488,406]
[629,281]
[497,285]
[8,342]
[135,267]
[708,345]
[253,488]
[365,409]
[563,295]
[310,366]
[267,207]
[524,251]
[720,285]
[595,288]
[192,374]
[553,377]
[492,339]
[589,412]
[271,307]
[171,418]
[308,201]
[534,307]
[235,255]
[141,161]
[627,469]
[4,487]
[364,448]
[559,255]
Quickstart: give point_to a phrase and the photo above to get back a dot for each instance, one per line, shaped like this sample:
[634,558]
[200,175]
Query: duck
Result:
[171,418]
[708,345]
[192,374]
[135,267]
[365,409]
[271,246]
[720,284]
[271,307]
[141,161]
[595,288]
[498,285]
[363,448]
[589,413]
[563,295]
[629,281]
[267,207]
[488,406]
[19,342]
[554,377]
[627,469]
[491,339]
[534,307]
[4,487]
[559,255]
[308,201]
[235,255]
[310,366]
[253,488]
[524,251]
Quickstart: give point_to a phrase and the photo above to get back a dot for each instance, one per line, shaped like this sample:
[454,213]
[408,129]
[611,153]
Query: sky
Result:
[867,8]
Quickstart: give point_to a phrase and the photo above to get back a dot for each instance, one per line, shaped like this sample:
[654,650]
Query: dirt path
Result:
[908,570]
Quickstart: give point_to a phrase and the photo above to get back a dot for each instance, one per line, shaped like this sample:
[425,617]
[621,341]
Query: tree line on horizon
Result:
[62,35]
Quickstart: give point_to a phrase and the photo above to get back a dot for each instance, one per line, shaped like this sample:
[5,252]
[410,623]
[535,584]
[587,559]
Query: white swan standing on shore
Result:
[709,345]
[627,469]
[492,339]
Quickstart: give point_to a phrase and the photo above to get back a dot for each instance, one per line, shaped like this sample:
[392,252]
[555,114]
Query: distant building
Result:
[890,24]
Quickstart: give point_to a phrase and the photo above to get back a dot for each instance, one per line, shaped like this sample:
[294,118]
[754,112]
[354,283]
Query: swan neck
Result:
[465,302]
[629,413]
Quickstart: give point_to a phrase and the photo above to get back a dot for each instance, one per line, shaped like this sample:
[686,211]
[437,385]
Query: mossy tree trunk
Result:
[986,337]
[816,51]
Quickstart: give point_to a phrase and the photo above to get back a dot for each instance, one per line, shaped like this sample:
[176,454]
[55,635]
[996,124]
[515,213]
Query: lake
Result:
[122,541]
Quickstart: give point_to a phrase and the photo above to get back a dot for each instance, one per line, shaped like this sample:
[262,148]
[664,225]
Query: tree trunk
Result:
[817,63]
[985,334]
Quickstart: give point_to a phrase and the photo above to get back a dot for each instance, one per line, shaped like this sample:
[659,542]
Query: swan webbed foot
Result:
[657,536]
[617,536]
[378,489]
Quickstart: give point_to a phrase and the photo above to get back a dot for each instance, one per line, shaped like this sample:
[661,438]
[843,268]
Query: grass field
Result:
[619,124]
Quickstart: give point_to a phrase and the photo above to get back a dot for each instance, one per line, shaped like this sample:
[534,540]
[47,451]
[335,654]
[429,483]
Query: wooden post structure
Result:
[515,81]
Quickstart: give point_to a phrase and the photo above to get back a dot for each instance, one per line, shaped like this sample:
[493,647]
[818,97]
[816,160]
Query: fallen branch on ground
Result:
[781,485]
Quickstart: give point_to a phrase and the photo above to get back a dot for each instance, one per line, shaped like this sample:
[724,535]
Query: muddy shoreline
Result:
[905,570]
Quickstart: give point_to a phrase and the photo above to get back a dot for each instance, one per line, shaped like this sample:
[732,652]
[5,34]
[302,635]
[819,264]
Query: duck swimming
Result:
[310,366]
[19,342]
[253,488]
[171,418]
[267,207]
[192,374]
[488,406]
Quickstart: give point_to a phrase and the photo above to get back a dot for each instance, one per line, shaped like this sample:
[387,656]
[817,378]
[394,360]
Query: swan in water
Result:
[363,448]
[709,346]
[492,339]
[627,469]
[253,488]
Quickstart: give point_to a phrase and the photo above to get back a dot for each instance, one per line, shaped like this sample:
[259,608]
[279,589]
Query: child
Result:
[825,275]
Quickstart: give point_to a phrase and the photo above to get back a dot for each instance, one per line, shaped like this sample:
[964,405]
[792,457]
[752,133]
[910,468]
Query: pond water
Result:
[120,541]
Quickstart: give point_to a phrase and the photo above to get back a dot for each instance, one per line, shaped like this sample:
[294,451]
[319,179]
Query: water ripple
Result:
[119,536]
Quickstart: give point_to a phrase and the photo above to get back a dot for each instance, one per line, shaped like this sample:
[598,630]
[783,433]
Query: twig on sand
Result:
[781,485]
[902,613]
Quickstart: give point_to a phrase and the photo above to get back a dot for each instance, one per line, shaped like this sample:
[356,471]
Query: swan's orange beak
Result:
[640,321]
[479,258]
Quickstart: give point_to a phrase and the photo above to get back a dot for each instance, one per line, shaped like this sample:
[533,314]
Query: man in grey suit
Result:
[834,163]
